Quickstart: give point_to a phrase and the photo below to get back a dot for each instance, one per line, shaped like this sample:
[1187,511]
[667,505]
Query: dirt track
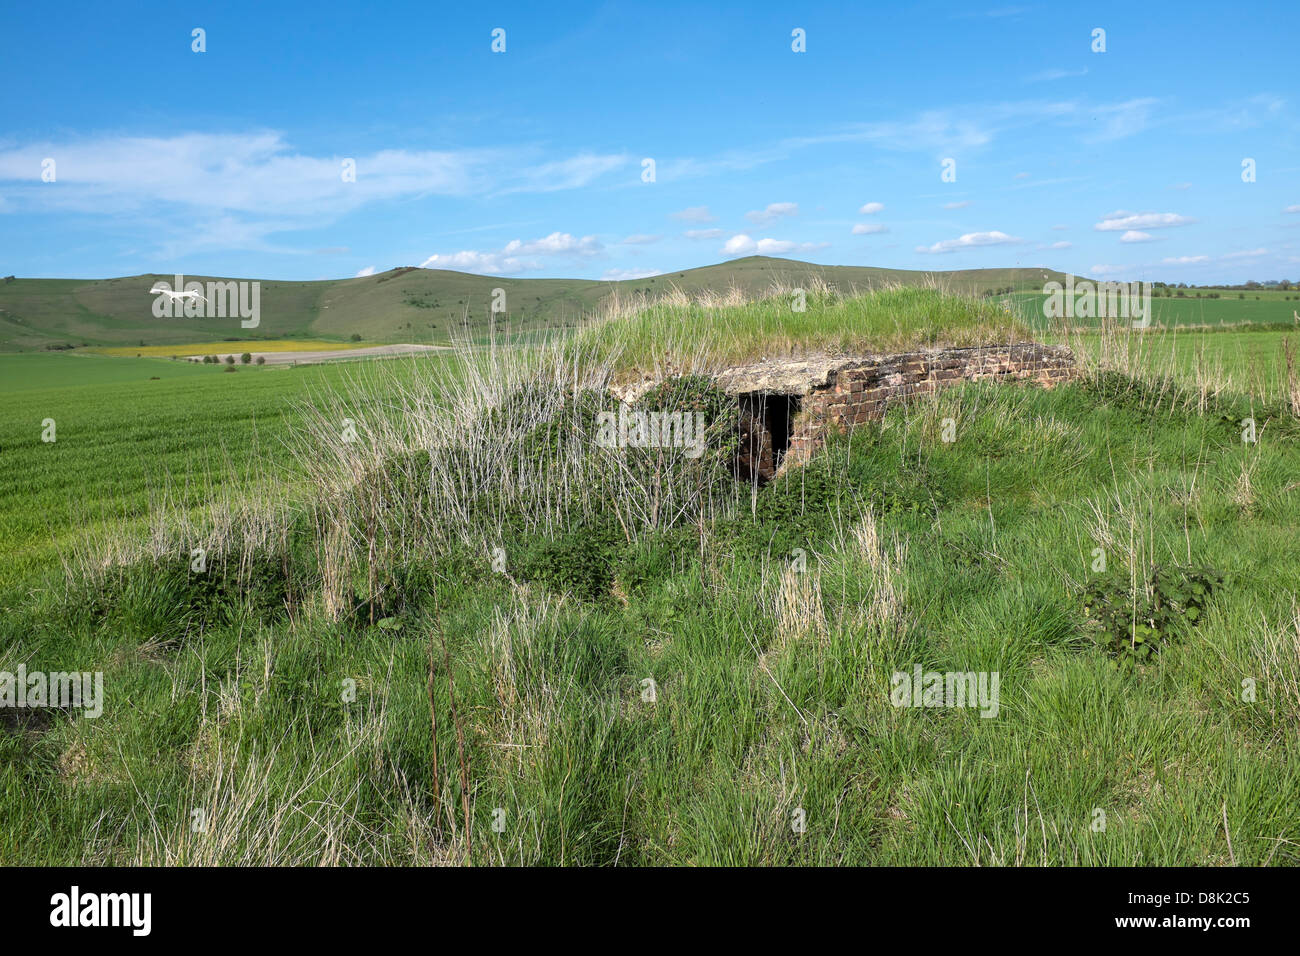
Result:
[333,355]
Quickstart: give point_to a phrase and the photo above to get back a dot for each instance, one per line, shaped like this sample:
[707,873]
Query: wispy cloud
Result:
[572,173]
[695,214]
[234,190]
[773,212]
[1047,76]
[952,130]
[1109,122]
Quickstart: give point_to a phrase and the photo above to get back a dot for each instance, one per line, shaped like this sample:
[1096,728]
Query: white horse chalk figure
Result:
[162,289]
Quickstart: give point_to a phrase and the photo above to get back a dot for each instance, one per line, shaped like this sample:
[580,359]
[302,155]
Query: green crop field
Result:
[1264,307]
[131,435]
[430,603]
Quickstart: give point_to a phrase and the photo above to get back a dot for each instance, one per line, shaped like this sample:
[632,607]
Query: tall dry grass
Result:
[476,446]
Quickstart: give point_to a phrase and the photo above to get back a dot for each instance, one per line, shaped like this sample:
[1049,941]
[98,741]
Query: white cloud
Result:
[702,233]
[695,214]
[1105,270]
[1134,235]
[1292,209]
[1184,260]
[742,245]
[1062,244]
[962,204]
[471,260]
[1022,176]
[774,211]
[1181,187]
[739,245]
[367,271]
[871,208]
[517,255]
[864,229]
[1060,228]
[640,239]
[556,244]
[1248,254]
[769,247]
[969,241]
[619,275]
[1122,220]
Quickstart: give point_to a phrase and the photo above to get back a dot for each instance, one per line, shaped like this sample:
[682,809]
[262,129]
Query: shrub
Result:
[582,561]
[1137,622]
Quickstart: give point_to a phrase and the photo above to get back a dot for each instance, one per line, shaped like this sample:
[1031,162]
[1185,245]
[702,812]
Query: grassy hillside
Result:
[408,305]
[298,692]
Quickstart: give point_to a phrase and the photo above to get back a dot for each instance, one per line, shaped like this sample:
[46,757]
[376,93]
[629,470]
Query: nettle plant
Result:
[1136,622]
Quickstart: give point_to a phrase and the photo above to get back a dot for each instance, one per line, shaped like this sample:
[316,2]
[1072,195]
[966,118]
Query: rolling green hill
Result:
[407,304]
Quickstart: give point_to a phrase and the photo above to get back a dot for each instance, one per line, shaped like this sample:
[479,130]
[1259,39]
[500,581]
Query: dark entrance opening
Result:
[766,426]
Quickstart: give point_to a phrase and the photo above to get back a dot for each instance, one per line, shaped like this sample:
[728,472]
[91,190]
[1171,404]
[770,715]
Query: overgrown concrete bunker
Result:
[788,405]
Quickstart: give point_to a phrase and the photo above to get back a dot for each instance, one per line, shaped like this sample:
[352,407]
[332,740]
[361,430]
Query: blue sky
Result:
[1125,164]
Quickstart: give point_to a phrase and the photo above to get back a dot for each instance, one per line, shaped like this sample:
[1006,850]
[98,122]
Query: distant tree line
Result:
[1277,285]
